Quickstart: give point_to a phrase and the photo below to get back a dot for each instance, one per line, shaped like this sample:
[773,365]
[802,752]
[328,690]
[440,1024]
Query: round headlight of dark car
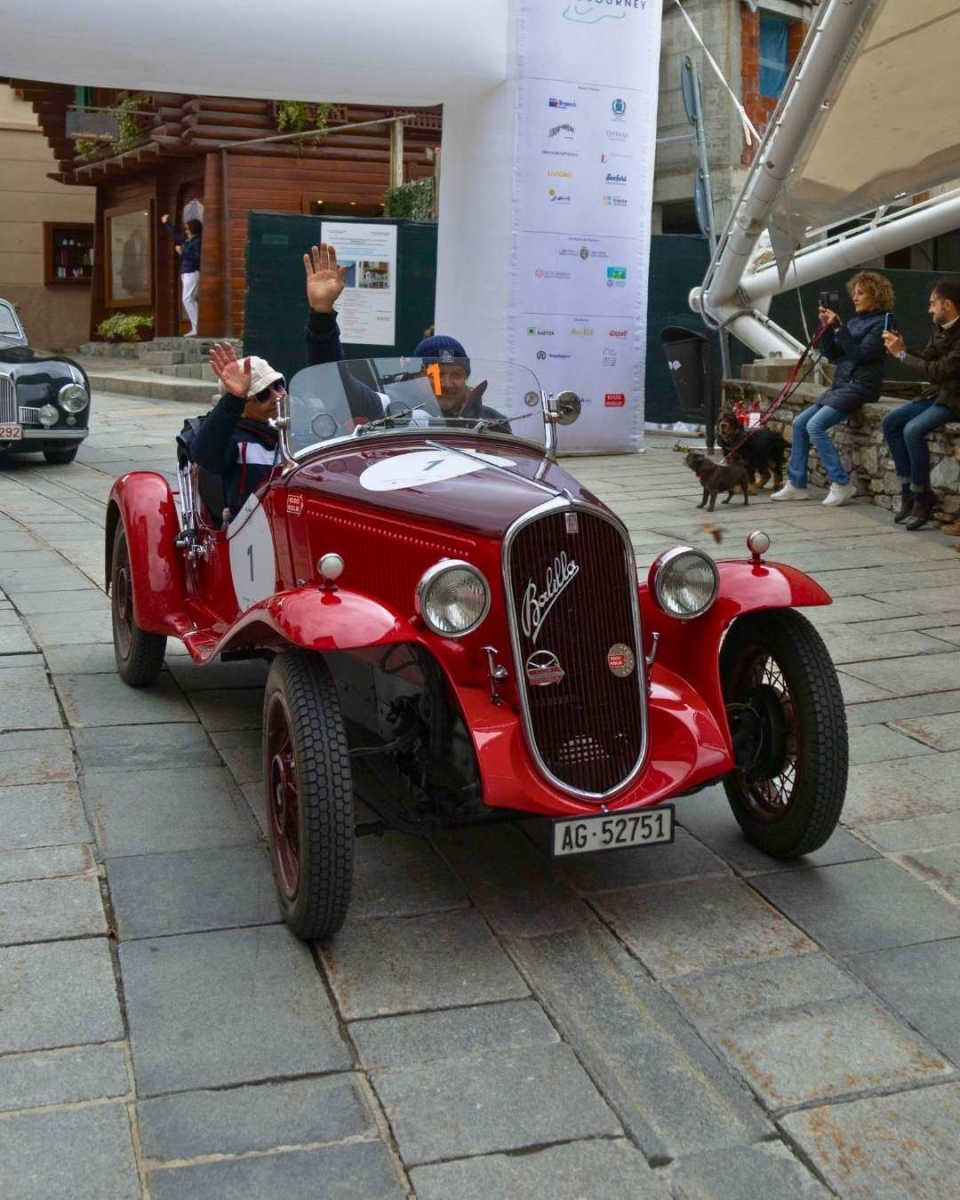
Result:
[73,398]
[684,581]
[453,598]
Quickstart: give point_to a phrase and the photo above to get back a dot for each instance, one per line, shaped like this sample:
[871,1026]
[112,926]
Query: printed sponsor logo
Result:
[540,273]
[617,333]
[535,331]
[294,504]
[557,102]
[584,252]
[561,153]
[619,109]
[616,277]
[582,331]
[614,201]
[609,357]
[564,131]
[589,12]
[618,135]
[541,355]
[614,177]
[558,198]
[614,400]
[559,174]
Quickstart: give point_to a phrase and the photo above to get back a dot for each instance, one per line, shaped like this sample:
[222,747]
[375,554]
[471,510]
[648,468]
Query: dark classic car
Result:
[44,398]
[446,609]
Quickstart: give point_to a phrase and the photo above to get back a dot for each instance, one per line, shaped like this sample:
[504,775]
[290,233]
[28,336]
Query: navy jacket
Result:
[242,452]
[858,350]
[190,255]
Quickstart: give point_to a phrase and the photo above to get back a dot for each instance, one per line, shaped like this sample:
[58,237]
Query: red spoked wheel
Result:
[139,654]
[309,795]
[789,729]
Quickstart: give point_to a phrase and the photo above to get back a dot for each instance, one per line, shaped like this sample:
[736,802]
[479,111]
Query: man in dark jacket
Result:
[906,428]
[235,440]
[856,346]
[457,400]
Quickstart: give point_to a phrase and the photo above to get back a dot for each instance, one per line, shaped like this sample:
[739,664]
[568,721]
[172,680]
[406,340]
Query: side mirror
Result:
[568,407]
[323,426]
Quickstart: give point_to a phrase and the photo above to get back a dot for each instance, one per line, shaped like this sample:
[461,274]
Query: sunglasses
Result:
[278,385]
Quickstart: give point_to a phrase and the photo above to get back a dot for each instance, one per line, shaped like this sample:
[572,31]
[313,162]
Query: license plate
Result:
[10,433]
[586,835]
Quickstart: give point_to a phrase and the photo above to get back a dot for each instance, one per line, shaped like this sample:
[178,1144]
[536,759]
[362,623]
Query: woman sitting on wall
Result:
[857,347]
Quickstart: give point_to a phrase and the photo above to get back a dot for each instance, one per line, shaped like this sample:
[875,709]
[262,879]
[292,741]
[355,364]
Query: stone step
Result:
[149,385]
[160,358]
[187,371]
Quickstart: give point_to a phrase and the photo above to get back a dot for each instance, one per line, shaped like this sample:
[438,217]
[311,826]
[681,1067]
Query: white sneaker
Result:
[789,492]
[840,493]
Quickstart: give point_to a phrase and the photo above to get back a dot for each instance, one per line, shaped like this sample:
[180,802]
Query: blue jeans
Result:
[906,430]
[811,426]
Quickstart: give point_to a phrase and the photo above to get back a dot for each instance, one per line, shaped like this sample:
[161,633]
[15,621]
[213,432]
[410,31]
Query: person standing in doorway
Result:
[188,247]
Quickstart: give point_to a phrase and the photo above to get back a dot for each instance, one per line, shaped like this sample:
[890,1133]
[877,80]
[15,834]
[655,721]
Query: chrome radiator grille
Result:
[29,416]
[8,401]
[575,626]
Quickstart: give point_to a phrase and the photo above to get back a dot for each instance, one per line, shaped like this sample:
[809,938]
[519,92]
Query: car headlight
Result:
[73,398]
[49,415]
[684,581]
[453,598]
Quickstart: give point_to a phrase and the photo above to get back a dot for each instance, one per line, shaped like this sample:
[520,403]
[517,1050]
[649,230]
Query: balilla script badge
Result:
[537,604]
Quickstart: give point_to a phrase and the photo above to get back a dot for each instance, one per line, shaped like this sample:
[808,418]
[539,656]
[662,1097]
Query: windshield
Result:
[8,322]
[371,397]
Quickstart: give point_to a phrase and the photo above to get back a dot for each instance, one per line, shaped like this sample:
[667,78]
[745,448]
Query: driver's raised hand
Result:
[325,280]
[234,376]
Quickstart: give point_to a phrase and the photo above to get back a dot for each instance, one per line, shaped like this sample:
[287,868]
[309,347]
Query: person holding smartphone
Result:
[856,347]
[906,428]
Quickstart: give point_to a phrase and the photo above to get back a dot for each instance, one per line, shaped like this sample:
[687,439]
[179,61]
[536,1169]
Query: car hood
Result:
[477,484]
[32,366]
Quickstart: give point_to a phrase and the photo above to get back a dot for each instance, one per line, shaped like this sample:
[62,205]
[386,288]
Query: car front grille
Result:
[29,416]
[8,401]
[574,616]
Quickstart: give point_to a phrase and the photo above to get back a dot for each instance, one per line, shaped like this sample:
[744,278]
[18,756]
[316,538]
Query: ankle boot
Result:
[906,507]
[923,506]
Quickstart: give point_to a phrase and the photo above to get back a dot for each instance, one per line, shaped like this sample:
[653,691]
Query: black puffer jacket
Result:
[858,350]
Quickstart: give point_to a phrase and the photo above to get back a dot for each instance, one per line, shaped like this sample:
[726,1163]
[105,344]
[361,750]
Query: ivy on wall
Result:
[413,201]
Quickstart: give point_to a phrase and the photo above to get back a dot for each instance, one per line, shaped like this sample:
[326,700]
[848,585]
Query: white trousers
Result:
[190,290]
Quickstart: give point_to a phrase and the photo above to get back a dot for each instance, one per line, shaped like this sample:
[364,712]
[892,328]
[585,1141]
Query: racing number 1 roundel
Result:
[253,564]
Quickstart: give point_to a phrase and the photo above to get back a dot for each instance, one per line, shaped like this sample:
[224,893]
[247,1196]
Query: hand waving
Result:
[227,368]
[325,280]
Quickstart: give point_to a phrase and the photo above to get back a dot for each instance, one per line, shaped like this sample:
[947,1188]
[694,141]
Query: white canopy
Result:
[889,126]
[364,51]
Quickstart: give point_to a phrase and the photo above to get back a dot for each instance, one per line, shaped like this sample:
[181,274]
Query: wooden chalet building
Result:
[164,153]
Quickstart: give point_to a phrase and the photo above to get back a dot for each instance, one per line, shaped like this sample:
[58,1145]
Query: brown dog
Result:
[762,453]
[715,478]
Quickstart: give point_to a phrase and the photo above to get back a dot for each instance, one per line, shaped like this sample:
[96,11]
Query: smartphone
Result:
[890,323]
[830,300]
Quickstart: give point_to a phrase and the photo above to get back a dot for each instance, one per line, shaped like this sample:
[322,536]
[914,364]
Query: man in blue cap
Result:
[456,399]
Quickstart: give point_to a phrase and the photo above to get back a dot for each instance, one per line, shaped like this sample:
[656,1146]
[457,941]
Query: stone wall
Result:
[861,444]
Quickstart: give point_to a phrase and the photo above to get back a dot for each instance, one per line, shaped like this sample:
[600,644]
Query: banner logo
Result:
[589,12]
[614,400]
[614,201]
[616,277]
[618,108]
[556,102]
[615,178]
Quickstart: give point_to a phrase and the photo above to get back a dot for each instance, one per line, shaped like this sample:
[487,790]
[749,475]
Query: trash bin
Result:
[692,360]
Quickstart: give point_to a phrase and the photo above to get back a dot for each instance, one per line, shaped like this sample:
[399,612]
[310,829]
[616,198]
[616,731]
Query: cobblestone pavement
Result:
[691,1021]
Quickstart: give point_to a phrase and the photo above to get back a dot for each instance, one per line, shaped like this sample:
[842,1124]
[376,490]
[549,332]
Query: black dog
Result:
[762,453]
[716,478]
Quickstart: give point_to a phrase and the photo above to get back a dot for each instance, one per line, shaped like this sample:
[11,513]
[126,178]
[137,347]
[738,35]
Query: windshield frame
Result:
[296,458]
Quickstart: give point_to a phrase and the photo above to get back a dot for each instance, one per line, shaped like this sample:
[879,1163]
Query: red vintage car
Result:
[440,599]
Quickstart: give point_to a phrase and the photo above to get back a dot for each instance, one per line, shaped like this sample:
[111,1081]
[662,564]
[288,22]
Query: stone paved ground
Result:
[691,1021]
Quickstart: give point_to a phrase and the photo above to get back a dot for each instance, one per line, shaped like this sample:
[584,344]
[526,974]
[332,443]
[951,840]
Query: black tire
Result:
[139,654]
[61,457]
[776,664]
[309,794]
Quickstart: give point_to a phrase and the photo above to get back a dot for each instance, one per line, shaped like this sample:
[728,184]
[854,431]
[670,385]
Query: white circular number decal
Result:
[253,563]
[426,466]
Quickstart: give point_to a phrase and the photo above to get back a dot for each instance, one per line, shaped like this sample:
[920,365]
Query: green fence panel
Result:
[275,311]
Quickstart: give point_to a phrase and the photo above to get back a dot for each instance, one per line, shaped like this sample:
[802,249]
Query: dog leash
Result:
[784,393]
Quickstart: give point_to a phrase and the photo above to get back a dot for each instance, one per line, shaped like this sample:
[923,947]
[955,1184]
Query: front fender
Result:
[143,501]
[692,648]
[313,619]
